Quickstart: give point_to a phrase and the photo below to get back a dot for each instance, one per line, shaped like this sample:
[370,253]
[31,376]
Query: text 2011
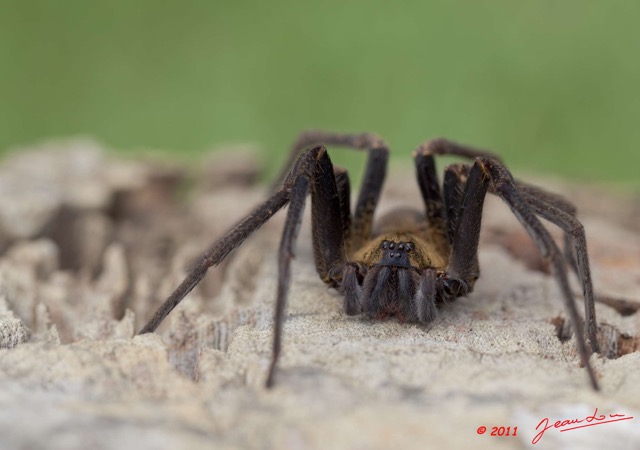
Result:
[504,431]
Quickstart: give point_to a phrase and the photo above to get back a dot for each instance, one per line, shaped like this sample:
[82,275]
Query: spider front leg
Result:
[329,209]
[455,180]
[372,182]
[217,252]
[442,211]
[485,173]
[333,229]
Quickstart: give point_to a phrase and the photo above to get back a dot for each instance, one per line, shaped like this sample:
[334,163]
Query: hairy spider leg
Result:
[372,182]
[217,252]
[551,207]
[442,210]
[430,189]
[453,185]
[329,209]
[312,171]
[548,205]
[558,202]
[344,193]
[463,262]
[331,217]
[487,172]
[575,243]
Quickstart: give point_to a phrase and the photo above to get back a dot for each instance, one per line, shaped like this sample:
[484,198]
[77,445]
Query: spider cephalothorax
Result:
[408,262]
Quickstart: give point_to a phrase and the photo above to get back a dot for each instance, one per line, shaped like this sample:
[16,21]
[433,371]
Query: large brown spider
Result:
[410,261]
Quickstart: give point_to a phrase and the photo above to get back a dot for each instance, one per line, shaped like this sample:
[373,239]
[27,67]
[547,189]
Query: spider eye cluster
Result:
[401,246]
[396,254]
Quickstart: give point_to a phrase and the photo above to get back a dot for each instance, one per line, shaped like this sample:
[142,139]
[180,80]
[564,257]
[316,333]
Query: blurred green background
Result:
[553,86]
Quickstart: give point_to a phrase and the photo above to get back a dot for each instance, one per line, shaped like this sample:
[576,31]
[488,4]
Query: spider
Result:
[408,262]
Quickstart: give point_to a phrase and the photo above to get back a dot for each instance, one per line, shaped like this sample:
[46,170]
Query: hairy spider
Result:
[410,261]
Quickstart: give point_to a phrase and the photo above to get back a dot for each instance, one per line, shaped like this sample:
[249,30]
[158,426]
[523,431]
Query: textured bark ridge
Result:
[90,245]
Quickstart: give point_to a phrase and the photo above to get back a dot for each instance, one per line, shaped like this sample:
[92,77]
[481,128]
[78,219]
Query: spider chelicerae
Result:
[407,262]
